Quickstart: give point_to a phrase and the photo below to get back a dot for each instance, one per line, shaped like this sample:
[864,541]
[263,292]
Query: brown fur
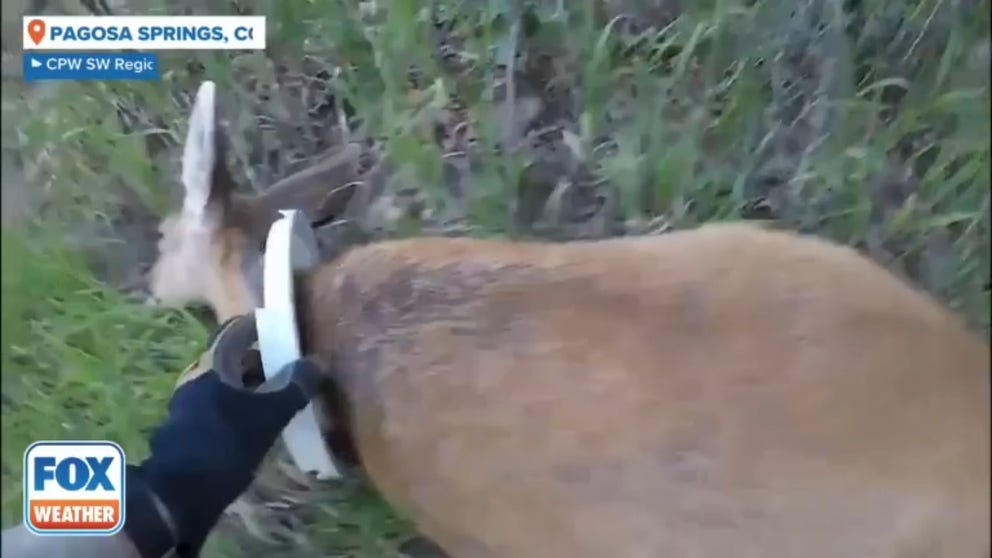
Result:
[725,391]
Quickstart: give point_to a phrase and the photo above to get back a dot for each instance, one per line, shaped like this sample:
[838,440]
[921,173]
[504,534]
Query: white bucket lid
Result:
[290,247]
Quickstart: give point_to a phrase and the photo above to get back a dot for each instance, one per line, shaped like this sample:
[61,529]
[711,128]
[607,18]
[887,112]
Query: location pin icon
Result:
[36,30]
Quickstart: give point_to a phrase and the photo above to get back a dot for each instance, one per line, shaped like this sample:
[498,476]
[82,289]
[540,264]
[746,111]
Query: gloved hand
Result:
[205,454]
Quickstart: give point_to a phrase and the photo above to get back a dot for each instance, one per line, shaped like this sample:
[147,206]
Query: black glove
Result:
[205,455]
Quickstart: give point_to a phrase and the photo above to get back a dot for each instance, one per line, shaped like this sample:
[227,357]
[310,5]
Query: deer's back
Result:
[725,391]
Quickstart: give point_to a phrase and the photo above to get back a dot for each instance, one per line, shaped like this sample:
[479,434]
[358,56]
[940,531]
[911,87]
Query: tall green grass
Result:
[79,360]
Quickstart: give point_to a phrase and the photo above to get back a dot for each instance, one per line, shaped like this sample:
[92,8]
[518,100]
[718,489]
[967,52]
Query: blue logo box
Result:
[100,66]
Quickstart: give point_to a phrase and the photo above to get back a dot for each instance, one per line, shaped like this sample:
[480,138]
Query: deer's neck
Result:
[316,302]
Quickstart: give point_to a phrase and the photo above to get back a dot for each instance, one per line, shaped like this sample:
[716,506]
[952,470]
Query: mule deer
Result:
[730,390]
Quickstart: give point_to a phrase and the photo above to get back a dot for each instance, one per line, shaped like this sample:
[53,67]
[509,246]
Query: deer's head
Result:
[210,251]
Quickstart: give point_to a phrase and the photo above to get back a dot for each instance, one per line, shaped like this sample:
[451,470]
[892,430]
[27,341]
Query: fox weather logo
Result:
[74,488]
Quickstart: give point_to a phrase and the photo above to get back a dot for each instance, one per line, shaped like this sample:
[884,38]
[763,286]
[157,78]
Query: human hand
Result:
[206,452]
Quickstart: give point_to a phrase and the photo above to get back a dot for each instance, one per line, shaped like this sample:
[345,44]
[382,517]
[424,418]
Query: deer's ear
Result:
[204,172]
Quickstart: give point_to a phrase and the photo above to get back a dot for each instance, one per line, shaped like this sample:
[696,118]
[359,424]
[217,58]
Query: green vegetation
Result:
[866,122]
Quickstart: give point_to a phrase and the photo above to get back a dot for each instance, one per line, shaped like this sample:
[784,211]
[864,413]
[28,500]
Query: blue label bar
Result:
[103,66]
